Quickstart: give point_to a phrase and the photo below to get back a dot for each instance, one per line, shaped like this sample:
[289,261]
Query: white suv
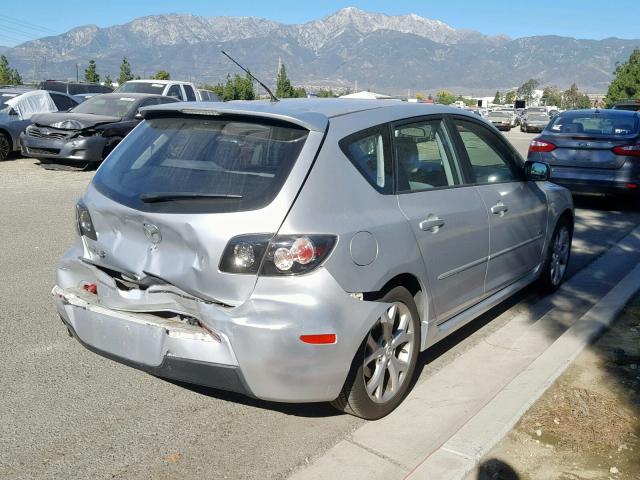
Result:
[185,91]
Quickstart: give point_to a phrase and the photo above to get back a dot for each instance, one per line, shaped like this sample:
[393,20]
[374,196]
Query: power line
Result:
[30,25]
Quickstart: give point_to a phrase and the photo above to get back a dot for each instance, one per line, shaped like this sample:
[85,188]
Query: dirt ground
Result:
[587,425]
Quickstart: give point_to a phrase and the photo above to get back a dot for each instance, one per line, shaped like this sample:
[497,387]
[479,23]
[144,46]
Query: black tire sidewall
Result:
[4,139]
[359,401]
[545,282]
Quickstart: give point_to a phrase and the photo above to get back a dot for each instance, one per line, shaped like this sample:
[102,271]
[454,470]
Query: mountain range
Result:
[346,49]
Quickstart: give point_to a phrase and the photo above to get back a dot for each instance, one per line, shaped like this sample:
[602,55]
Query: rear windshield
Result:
[499,114]
[142,87]
[606,124]
[537,116]
[108,106]
[634,107]
[242,163]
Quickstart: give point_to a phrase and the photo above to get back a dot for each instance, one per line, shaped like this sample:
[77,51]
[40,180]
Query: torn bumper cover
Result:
[162,347]
[253,348]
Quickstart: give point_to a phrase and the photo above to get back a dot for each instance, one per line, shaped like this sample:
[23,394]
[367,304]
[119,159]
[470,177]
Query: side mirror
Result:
[137,116]
[537,171]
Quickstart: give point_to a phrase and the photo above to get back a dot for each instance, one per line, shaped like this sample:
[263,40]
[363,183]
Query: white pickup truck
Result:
[185,91]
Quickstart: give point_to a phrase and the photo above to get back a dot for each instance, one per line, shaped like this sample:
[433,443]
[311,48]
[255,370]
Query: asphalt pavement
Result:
[68,413]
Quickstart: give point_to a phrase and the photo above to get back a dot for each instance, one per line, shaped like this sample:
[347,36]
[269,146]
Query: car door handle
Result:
[431,224]
[499,209]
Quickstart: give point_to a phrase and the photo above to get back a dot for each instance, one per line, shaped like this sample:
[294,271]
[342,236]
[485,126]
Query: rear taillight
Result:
[627,150]
[84,224]
[272,256]
[541,146]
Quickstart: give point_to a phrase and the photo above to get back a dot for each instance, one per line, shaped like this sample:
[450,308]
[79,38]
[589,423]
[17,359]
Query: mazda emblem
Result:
[152,233]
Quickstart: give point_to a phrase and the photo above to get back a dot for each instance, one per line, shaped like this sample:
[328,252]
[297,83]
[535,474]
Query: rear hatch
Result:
[178,188]
[586,140]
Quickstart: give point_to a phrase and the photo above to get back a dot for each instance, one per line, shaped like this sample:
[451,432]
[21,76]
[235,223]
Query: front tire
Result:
[5,146]
[384,365]
[557,257]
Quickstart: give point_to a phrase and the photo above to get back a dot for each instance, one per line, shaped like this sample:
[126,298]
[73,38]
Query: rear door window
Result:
[369,151]
[174,91]
[241,164]
[191,96]
[424,157]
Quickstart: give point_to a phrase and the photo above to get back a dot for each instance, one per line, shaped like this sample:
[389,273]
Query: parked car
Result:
[78,90]
[501,120]
[632,104]
[90,131]
[534,122]
[592,151]
[305,250]
[17,105]
[185,91]
[208,95]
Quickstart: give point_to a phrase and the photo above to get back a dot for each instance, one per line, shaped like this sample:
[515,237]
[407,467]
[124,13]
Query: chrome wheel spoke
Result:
[379,353]
[400,339]
[376,382]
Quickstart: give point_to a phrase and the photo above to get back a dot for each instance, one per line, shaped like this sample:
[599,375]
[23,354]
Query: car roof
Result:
[15,90]
[607,111]
[310,113]
[151,80]
[137,96]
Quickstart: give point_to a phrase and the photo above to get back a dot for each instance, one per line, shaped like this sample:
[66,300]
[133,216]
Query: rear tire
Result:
[384,365]
[557,257]
[5,146]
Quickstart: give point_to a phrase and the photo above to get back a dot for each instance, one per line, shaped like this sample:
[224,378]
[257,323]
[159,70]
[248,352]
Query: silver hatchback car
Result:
[305,250]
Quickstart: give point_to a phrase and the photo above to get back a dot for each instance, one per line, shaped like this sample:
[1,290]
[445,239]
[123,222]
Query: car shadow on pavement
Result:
[310,410]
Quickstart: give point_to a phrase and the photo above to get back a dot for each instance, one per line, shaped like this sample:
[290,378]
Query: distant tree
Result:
[420,96]
[8,75]
[235,88]
[525,91]
[510,96]
[497,100]
[626,83]
[90,73]
[125,72]
[469,102]
[552,96]
[445,97]
[107,80]
[283,84]
[162,75]
[574,99]
[322,93]
[299,92]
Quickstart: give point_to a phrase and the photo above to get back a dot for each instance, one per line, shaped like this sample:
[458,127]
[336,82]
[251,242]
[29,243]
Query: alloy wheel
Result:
[388,353]
[560,255]
[4,147]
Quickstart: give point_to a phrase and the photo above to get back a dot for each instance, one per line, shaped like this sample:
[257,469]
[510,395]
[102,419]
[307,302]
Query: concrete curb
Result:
[454,417]
[460,454]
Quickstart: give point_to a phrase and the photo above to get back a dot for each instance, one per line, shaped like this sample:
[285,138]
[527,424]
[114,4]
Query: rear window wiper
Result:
[167,197]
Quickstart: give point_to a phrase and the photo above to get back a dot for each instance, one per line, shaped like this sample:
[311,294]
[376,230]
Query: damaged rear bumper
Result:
[254,348]
[161,347]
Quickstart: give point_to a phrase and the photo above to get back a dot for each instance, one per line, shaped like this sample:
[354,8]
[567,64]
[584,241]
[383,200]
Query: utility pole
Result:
[77,73]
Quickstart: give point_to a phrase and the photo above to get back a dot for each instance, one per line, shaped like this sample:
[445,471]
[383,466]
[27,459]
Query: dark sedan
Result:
[534,122]
[592,151]
[89,131]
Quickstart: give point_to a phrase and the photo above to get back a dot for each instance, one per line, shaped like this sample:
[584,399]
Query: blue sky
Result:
[576,18]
